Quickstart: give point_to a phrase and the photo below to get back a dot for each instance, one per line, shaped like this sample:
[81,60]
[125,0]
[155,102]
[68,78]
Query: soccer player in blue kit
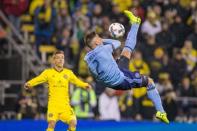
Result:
[115,74]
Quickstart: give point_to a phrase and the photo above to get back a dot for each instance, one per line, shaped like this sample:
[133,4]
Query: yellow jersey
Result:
[58,84]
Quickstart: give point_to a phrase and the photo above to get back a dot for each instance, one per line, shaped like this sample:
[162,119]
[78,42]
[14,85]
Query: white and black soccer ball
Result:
[116,30]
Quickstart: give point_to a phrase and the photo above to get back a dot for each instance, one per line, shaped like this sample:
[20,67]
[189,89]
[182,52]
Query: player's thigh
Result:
[68,116]
[123,62]
[135,79]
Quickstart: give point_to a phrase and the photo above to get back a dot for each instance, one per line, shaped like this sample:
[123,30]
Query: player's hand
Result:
[88,87]
[27,86]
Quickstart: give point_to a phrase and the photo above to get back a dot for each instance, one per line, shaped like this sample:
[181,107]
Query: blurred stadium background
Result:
[31,30]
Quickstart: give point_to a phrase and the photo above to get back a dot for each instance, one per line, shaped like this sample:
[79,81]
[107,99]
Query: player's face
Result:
[97,41]
[59,60]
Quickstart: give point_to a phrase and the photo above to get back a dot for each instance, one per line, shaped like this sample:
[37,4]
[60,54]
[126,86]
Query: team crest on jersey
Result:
[65,76]
[50,115]
[137,75]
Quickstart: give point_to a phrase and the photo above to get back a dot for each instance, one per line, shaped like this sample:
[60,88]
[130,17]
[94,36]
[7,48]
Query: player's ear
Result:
[53,56]
[52,59]
[84,40]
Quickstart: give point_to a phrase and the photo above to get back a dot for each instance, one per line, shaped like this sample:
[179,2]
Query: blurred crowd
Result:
[166,50]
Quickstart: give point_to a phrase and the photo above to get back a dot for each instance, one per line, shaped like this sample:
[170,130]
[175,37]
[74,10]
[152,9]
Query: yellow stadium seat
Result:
[139,92]
[26,18]
[44,49]
[147,103]
[27,28]
[47,48]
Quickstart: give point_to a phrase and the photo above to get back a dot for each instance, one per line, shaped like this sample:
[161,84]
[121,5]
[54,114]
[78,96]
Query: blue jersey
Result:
[102,65]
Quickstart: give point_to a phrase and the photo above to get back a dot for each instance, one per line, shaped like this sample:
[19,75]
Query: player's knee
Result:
[126,53]
[51,124]
[150,81]
[73,123]
[151,84]
[145,81]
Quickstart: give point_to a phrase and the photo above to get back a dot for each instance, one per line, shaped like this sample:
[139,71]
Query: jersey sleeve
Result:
[76,81]
[39,79]
[114,44]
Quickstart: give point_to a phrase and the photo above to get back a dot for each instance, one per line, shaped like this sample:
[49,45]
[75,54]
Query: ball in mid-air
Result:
[116,30]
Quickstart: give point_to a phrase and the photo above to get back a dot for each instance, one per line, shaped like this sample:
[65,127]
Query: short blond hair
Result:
[58,52]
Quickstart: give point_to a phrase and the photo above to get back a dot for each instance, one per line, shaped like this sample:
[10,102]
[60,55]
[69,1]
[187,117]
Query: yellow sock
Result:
[72,129]
[50,129]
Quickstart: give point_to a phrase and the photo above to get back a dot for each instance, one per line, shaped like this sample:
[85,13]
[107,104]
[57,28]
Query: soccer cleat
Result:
[133,19]
[162,116]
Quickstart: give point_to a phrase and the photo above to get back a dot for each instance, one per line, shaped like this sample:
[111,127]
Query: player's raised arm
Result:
[93,40]
[76,81]
[37,80]
[114,43]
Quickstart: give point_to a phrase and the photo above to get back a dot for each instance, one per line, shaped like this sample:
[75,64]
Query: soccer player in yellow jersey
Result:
[58,79]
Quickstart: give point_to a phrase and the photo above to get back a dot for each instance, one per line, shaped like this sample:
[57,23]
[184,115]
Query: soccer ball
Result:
[116,30]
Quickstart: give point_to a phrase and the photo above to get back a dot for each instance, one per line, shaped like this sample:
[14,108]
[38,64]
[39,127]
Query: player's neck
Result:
[59,69]
[88,49]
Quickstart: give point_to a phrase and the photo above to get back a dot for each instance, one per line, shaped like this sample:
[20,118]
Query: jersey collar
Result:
[57,70]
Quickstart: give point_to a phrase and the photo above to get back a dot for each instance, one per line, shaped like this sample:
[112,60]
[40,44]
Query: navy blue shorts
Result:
[132,79]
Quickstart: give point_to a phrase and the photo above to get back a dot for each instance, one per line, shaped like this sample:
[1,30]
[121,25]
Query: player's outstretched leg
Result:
[129,47]
[132,35]
[153,94]
[130,41]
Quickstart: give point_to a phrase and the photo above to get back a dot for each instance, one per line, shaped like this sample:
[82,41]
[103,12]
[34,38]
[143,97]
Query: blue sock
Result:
[153,94]
[131,37]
